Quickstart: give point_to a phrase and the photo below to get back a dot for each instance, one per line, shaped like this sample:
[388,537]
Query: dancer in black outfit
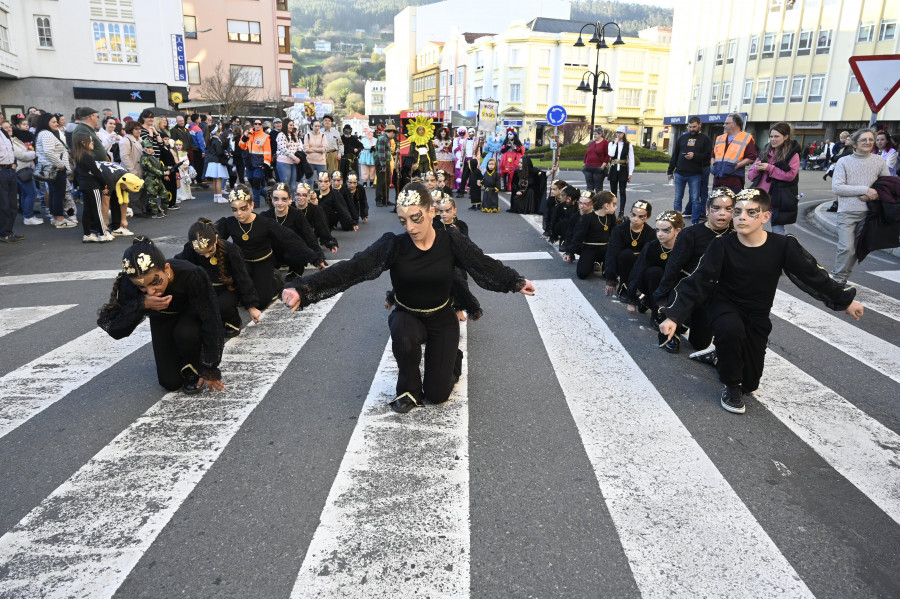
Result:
[358,197]
[225,267]
[307,202]
[258,239]
[564,211]
[738,277]
[283,213]
[648,270]
[337,186]
[185,326]
[627,240]
[691,244]
[421,262]
[592,233]
[332,204]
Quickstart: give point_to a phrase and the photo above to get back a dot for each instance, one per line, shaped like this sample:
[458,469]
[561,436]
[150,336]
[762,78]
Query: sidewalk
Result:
[827,221]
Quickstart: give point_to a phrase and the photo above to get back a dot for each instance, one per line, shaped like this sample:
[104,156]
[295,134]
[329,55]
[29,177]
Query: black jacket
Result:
[700,145]
[784,193]
[882,227]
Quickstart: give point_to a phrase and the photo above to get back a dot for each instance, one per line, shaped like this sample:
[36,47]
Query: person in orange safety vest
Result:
[732,151]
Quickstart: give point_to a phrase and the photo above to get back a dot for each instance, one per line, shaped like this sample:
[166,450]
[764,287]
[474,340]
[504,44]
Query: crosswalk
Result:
[397,520]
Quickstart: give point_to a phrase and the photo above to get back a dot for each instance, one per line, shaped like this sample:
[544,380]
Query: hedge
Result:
[576,152]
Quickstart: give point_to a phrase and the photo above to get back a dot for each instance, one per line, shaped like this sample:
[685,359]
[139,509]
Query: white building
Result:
[374,95]
[416,25]
[456,71]
[356,121]
[322,45]
[117,54]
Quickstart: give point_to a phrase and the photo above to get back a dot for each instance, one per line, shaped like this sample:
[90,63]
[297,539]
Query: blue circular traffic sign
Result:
[556,116]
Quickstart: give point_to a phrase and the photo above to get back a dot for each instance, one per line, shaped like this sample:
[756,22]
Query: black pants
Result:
[382,187]
[625,260]
[589,255]
[263,275]
[740,344]
[115,210]
[92,215]
[618,180]
[172,187]
[439,332]
[197,161]
[228,307]
[176,342]
[647,284]
[701,333]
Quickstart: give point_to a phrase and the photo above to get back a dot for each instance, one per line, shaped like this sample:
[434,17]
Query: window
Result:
[720,53]
[4,38]
[193,73]
[478,61]
[887,31]
[460,76]
[804,45]
[768,49]
[726,94]
[443,103]
[732,51]
[634,61]
[514,57]
[190,27]
[543,94]
[775,5]
[695,95]
[545,58]
[866,33]
[45,39]
[754,47]
[285,75]
[700,55]
[714,95]
[451,80]
[112,10]
[494,93]
[823,44]
[284,39]
[515,92]
[787,45]
[762,92]
[479,94]
[779,90]
[651,99]
[748,91]
[816,87]
[281,5]
[629,97]
[246,32]
[854,88]
[114,43]
[443,80]
[247,76]
[798,85]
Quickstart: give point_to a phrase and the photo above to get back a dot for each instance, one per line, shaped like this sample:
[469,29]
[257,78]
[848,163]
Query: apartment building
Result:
[374,97]
[425,77]
[777,60]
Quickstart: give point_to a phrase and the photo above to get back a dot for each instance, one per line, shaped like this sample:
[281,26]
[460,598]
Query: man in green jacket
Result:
[90,123]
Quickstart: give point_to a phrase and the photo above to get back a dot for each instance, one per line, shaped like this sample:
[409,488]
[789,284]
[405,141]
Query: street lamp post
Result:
[599,40]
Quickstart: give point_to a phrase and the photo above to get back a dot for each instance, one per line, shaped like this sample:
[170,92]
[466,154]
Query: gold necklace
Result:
[725,230]
[605,222]
[665,253]
[280,222]
[634,239]
[245,235]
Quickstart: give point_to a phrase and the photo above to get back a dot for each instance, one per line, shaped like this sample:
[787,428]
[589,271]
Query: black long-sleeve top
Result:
[747,277]
[315,216]
[698,143]
[334,207]
[190,289]
[88,174]
[623,239]
[563,211]
[264,237]
[352,208]
[296,222]
[461,226]
[651,255]
[359,200]
[685,256]
[352,147]
[422,279]
[234,266]
[590,229]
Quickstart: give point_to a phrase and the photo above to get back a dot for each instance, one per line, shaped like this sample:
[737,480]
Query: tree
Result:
[574,132]
[355,102]
[335,64]
[230,89]
[313,84]
[338,89]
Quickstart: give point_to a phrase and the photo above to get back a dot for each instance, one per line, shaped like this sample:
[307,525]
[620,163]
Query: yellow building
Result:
[779,60]
[532,66]
[425,78]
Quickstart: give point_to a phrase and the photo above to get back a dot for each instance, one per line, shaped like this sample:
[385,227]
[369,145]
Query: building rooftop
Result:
[471,37]
[547,25]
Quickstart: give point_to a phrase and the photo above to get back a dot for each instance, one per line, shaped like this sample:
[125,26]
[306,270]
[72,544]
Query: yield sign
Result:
[878,76]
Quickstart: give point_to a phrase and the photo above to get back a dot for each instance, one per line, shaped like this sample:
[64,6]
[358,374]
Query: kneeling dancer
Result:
[421,262]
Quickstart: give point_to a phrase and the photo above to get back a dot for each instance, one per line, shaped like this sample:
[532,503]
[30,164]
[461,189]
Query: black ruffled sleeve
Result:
[489,273]
[320,224]
[242,281]
[121,319]
[290,245]
[807,274]
[363,266]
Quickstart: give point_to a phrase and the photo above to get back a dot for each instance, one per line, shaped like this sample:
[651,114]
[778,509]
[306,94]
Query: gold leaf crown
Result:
[747,195]
[141,265]
[721,192]
[669,216]
[239,195]
[201,243]
[407,198]
[641,205]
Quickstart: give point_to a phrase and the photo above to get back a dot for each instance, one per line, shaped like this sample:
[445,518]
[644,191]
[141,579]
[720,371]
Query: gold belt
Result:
[588,243]
[619,161]
[258,259]
[428,311]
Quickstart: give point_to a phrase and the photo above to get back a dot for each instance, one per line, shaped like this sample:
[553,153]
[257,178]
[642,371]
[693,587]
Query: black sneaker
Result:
[733,399]
[405,403]
[9,239]
[191,381]
[673,345]
[706,356]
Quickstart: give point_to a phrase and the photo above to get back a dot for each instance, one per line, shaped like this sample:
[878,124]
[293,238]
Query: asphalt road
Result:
[576,459]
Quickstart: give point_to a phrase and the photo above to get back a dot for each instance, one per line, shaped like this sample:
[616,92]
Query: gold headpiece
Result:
[201,243]
[337,174]
[239,195]
[303,186]
[140,266]
[586,195]
[282,186]
[352,177]
[407,198]
[668,216]
[641,205]
[747,195]
[437,195]
[720,192]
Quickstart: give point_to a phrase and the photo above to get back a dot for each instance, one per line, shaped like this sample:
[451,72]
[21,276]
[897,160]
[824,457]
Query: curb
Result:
[827,223]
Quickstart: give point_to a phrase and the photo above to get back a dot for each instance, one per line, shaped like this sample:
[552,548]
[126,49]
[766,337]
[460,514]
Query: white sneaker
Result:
[122,232]
[72,219]
[129,212]
[64,224]
[92,238]
[107,236]
[34,220]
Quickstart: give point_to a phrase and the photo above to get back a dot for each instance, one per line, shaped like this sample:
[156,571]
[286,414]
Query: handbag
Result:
[25,174]
[46,172]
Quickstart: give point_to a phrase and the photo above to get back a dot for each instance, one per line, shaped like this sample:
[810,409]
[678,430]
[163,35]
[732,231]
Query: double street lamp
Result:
[599,40]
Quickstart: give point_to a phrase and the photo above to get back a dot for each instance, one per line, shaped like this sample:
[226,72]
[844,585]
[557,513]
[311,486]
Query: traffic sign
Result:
[878,77]
[556,116]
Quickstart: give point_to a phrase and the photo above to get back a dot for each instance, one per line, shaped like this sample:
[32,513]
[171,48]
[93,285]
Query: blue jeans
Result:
[694,183]
[593,177]
[27,194]
[316,168]
[257,177]
[287,173]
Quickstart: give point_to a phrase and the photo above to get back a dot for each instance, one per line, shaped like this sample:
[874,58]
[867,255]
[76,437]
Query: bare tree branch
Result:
[230,89]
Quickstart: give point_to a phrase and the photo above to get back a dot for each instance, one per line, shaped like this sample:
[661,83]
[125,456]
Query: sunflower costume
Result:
[420,132]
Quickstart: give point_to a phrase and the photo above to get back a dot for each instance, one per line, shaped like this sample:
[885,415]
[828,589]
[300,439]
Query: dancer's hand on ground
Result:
[528,289]
[151,302]
[610,288]
[632,309]
[855,309]
[254,314]
[667,328]
[213,385]
[291,298]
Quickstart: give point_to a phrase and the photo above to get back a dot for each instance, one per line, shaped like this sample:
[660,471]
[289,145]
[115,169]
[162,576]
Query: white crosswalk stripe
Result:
[60,277]
[13,319]
[395,466]
[890,275]
[878,302]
